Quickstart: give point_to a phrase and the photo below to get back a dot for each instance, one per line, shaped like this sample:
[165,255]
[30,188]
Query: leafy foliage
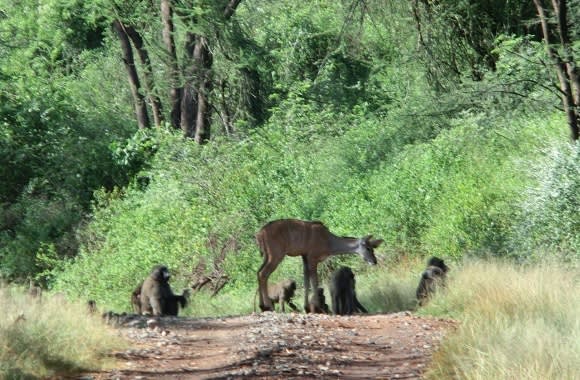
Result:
[549,220]
[331,113]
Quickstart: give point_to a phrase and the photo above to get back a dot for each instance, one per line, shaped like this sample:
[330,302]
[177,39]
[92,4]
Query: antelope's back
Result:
[293,237]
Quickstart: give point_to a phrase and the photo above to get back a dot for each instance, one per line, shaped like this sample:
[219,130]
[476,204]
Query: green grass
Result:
[50,337]
[515,323]
[388,288]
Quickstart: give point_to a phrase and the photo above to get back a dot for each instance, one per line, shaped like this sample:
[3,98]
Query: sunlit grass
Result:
[50,337]
[202,304]
[389,290]
[515,323]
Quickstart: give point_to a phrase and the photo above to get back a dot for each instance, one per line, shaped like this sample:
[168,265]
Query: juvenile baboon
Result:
[92,306]
[136,299]
[176,301]
[433,277]
[35,292]
[343,294]
[282,293]
[323,308]
[156,296]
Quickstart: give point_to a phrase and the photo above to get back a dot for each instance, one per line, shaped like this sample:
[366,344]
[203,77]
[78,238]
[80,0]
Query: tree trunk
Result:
[176,91]
[148,74]
[204,61]
[138,98]
[189,100]
[565,68]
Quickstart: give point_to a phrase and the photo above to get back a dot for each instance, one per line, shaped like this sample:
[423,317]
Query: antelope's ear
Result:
[375,242]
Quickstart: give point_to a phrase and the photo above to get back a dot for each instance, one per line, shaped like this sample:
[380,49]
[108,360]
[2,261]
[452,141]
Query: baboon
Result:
[282,293]
[431,278]
[175,301]
[136,299]
[35,291]
[115,319]
[172,303]
[323,308]
[156,296]
[92,306]
[342,291]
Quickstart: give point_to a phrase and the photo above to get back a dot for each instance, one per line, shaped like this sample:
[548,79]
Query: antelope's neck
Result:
[343,245]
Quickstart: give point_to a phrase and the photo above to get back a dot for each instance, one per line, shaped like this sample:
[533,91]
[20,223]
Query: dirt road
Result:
[274,346]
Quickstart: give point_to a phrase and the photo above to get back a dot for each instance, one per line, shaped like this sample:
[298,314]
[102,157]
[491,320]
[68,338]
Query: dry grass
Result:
[51,337]
[516,323]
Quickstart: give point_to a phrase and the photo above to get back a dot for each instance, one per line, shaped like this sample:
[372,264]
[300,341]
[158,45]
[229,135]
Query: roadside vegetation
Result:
[515,322]
[439,127]
[50,337]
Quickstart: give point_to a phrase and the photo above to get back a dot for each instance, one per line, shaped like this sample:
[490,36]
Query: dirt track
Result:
[274,346]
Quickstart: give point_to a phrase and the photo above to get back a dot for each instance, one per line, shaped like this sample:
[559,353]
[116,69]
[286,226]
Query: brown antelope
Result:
[311,240]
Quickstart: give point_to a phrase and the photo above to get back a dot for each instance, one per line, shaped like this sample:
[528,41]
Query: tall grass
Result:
[516,323]
[48,337]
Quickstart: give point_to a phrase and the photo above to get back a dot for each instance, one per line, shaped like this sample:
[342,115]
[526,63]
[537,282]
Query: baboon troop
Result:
[281,293]
[343,294]
[155,296]
[432,278]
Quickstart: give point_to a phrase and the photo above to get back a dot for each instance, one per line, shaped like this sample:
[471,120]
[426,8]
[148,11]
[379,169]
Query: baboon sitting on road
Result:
[431,278]
[282,293]
[155,294]
[342,291]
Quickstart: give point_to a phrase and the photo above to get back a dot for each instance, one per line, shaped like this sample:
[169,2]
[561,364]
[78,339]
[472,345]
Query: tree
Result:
[554,25]
[134,83]
[190,78]
[457,36]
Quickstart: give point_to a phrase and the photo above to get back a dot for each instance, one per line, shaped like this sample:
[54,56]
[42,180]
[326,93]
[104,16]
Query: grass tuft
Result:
[516,323]
[49,337]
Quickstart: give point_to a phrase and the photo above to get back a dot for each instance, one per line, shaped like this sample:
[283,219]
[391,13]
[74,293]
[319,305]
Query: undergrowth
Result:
[516,322]
[48,337]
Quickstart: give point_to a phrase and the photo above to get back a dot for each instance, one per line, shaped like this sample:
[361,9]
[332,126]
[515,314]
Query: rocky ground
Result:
[274,345]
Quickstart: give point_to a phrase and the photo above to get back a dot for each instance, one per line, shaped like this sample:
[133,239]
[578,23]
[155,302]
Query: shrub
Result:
[549,219]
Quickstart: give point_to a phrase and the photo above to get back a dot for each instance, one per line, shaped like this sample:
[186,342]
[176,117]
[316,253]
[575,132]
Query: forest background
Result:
[136,133]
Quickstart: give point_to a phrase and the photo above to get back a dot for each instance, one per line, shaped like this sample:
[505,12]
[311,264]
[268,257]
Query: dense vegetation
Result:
[368,116]
[446,128]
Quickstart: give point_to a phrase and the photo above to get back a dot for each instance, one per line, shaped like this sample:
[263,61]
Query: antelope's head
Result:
[367,249]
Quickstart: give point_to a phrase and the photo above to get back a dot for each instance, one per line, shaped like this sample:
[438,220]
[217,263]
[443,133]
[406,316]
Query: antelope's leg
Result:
[306,282]
[268,266]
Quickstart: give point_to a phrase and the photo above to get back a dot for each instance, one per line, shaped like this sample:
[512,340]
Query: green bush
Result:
[549,220]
